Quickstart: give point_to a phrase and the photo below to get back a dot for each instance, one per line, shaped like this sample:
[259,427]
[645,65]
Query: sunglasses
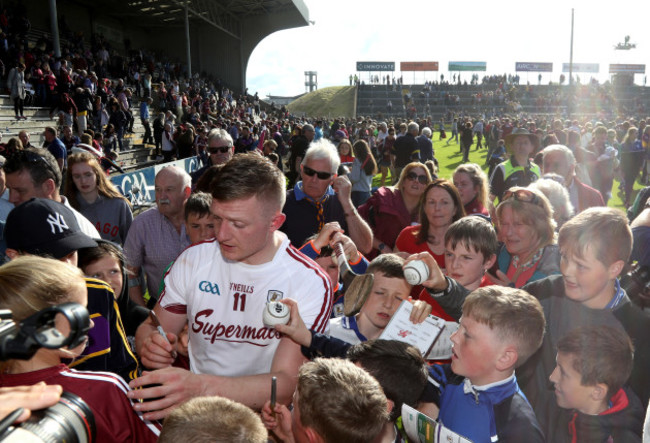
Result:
[523,195]
[321,175]
[222,149]
[423,179]
[35,158]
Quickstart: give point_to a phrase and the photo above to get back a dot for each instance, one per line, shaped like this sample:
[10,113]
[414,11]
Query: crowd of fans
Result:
[524,261]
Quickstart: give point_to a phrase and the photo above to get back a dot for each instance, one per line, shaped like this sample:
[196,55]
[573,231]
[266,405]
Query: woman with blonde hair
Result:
[392,208]
[30,284]
[473,187]
[527,229]
[90,192]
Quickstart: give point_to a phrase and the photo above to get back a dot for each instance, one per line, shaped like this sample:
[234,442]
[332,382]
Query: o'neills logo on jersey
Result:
[231,333]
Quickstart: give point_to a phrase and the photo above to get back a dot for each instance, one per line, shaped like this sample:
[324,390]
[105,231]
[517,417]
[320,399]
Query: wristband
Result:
[381,246]
[135,281]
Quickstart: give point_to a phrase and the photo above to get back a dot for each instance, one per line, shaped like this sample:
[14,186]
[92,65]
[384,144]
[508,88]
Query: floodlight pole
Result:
[54,24]
[187,40]
[571,66]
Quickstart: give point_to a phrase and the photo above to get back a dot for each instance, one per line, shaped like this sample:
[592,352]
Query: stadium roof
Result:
[225,15]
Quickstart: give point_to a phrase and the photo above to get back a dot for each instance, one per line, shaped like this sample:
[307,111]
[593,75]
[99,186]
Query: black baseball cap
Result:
[41,226]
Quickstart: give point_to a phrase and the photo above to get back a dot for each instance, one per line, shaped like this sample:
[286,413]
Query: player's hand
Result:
[155,352]
[343,189]
[30,398]
[420,311]
[296,329]
[437,280]
[177,386]
[278,421]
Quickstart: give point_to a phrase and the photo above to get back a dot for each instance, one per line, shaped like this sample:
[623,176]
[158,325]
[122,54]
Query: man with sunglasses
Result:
[220,149]
[323,197]
[34,173]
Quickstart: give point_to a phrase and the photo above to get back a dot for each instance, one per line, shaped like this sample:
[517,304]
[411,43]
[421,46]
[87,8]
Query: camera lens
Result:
[70,420]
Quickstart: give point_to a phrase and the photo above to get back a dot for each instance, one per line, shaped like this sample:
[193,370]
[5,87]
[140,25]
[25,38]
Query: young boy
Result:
[478,395]
[470,250]
[334,401]
[213,419]
[594,246]
[388,290]
[593,364]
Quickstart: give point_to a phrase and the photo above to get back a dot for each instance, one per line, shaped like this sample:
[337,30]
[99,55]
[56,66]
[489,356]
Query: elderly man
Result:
[34,173]
[518,170]
[24,139]
[322,197]
[220,288]
[158,235]
[560,160]
[220,150]
[405,149]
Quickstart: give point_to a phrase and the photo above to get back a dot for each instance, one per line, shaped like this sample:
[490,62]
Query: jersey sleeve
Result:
[128,425]
[314,296]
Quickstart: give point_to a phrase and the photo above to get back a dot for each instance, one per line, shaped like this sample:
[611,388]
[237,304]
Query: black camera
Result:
[70,420]
[637,285]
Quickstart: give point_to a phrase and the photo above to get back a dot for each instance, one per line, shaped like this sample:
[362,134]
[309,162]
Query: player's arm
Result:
[176,385]
[154,350]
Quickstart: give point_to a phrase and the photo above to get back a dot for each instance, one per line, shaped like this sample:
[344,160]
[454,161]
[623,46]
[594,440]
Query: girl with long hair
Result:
[90,192]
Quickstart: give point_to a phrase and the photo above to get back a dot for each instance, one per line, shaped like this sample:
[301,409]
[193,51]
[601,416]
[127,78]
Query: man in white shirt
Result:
[220,289]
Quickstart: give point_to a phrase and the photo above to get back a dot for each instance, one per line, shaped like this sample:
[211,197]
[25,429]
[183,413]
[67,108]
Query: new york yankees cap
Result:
[44,227]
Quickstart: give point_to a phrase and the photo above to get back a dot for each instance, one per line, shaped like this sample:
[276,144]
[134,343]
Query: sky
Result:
[499,33]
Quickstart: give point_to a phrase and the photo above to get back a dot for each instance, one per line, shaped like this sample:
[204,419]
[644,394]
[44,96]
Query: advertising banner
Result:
[375,66]
[144,179]
[632,69]
[533,67]
[418,66]
[592,68]
[467,66]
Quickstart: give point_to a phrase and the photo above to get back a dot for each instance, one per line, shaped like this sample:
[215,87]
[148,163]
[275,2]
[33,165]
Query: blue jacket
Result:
[500,412]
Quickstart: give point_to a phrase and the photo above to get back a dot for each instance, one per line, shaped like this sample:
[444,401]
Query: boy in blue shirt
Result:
[478,394]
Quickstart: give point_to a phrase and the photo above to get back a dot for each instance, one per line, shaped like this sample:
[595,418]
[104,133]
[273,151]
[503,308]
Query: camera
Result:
[70,420]
[637,285]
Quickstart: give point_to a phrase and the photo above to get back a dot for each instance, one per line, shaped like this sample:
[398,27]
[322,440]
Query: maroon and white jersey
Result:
[105,393]
[224,303]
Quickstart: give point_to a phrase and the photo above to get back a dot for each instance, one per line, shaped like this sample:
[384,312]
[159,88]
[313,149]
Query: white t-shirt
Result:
[224,303]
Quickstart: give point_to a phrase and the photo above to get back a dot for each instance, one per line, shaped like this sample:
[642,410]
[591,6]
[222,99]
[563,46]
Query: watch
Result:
[381,246]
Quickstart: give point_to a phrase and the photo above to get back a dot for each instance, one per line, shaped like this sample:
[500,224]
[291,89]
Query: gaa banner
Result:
[632,69]
[375,66]
[533,67]
[418,66]
[467,66]
[592,68]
